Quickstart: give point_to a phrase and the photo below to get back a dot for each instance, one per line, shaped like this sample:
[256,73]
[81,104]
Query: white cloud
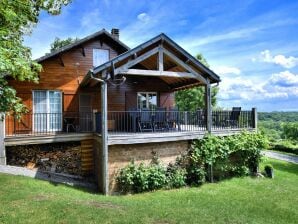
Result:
[143,17]
[286,62]
[224,70]
[285,78]
[283,85]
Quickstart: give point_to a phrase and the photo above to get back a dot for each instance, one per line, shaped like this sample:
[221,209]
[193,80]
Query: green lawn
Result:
[239,200]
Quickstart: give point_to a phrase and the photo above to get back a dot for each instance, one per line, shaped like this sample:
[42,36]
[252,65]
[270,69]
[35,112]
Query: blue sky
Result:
[252,45]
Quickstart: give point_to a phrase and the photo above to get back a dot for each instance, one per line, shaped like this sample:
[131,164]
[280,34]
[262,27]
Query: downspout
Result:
[104,134]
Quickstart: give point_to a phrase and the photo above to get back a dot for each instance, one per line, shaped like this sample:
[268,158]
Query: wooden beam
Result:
[83,51]
[156,73]
[136,60]
[104,137]
[208,105]
[160,65]
[61,60]
[185,66]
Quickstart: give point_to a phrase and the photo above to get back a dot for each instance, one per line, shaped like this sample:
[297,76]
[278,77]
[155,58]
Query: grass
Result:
[238,200]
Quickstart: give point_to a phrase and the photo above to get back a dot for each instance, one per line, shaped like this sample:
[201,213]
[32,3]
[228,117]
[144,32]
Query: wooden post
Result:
[208,105]
[104,138]
[254,118]
[2,136]
[160,58]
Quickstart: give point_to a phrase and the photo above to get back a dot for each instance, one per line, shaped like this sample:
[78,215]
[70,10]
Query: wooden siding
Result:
[65,72]
[67,78]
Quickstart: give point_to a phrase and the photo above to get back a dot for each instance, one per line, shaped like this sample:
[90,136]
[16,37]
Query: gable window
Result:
[100,56]
[147,100]
[47,110]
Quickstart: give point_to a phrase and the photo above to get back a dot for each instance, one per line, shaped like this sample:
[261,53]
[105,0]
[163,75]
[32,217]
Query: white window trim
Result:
[147,101]
[107,50]
[48,109]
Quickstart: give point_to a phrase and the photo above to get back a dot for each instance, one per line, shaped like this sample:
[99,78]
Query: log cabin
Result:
[118,103]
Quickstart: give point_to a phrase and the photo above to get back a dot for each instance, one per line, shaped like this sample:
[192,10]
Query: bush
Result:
[176,176]
[290,146]
[236,155]
[141,178]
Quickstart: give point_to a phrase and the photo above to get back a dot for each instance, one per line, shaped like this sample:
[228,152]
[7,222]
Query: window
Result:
[47,109]
[147,100]
[100,56]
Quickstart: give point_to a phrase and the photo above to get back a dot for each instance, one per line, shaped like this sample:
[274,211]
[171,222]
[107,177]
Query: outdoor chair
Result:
[173,119]
[70,124]
[232,121]
[145,120]
[160,119]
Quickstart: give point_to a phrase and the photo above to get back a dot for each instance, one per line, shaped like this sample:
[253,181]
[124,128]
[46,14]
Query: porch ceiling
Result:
[159,57]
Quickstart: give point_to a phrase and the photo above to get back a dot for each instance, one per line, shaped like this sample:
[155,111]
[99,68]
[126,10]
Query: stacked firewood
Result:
[58,158]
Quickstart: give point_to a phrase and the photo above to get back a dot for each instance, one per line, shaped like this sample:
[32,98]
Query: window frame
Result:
[47,110]
[147,99]
[100,49]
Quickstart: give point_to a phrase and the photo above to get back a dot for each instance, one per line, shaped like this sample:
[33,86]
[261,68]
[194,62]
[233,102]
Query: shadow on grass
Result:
[80,188]
[284,166]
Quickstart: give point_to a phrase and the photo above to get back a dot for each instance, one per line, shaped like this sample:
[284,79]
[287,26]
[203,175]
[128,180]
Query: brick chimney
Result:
[115,33]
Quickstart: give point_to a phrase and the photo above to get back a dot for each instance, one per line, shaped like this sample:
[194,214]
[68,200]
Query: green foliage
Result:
[176,176]
[290,146]
[290,130]
[16,20]
[281,129]
[236,155]
[278,116]
[193,99]
[141,178]
[59,43]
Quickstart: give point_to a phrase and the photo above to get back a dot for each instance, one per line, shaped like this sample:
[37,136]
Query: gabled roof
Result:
[165,40]
[102,32]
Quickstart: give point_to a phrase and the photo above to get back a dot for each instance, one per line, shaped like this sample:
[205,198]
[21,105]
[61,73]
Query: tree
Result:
[194,98]
[17,19]
[59,43]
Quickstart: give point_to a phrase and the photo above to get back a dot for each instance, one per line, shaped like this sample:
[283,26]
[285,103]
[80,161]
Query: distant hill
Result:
[278,116]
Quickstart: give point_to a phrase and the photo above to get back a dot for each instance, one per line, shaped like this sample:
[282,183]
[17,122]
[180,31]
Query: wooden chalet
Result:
[119,103]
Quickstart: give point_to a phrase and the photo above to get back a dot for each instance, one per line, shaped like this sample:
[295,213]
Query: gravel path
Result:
[280,156]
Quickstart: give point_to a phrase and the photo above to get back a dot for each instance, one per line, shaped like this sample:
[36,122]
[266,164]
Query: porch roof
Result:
[160,57]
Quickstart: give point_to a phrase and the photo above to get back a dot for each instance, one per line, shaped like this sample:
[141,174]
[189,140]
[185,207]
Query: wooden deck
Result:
[118,138]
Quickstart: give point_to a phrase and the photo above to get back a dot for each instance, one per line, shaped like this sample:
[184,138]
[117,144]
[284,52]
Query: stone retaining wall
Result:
[122,155]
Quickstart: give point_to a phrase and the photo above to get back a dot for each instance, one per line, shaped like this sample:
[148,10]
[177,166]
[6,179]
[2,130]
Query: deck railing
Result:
[48,123]
[121,122]
[176,121]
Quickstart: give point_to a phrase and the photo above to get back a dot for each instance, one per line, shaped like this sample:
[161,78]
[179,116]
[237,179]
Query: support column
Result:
[254,118]
[2,136]
[208,106]
[104,138]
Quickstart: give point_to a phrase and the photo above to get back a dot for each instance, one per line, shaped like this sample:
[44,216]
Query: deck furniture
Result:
[145,121]
[160,119]
[233,119]
[173,119]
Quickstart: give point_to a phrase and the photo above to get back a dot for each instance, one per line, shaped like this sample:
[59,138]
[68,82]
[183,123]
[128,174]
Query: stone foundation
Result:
[122,155]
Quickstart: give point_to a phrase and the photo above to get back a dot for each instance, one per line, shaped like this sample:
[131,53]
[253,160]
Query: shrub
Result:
[156,177]
[176,176]
[236,155]
[141,178]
